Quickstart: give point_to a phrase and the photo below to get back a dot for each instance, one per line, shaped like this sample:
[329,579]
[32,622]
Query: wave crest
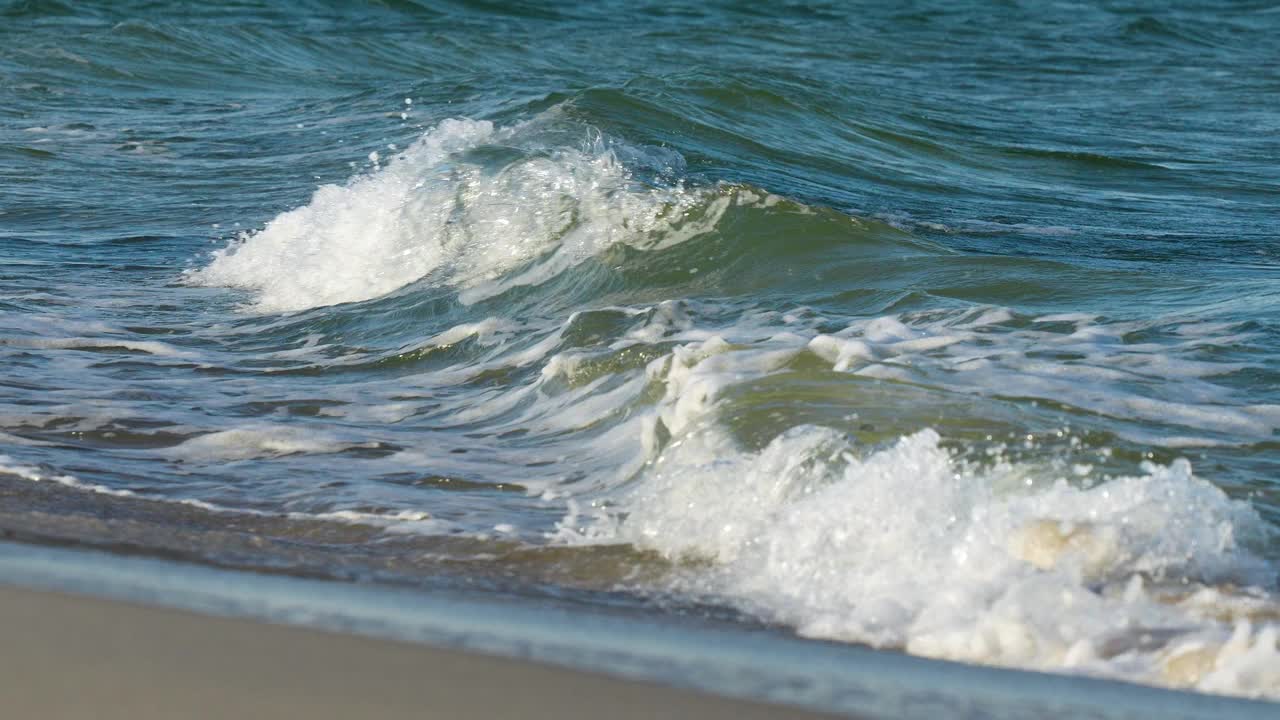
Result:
[470,205]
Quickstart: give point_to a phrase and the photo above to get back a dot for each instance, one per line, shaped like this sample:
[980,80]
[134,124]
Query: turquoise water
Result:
[942,328]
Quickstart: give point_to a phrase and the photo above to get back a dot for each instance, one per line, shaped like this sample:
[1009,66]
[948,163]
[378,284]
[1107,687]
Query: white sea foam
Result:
[260,441]
[431,211]
[151,347]
[1088,368]
[1156,576]
[9,466]
[1091,368]
[907,547]
[392,521]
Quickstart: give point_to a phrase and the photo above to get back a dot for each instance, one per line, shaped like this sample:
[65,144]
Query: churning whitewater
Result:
[435,213]
[945,329]
[1032,557]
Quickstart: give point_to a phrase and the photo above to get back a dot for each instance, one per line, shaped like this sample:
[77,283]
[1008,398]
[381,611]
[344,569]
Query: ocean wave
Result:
[483,210]
[1155,578]
[845,320]
[467,204]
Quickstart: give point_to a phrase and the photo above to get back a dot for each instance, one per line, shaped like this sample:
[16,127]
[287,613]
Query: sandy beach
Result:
[76,657]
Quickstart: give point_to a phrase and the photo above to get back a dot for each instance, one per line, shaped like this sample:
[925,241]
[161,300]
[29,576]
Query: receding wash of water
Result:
[946,329]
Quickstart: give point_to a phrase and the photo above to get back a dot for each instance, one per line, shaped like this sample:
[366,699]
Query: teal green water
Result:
[937,327]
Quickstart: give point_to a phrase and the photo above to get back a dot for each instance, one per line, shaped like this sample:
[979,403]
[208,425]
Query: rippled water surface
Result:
[940,327]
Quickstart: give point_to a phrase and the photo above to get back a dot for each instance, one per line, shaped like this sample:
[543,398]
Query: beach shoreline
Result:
[897,362]
[70,656]
[106,635]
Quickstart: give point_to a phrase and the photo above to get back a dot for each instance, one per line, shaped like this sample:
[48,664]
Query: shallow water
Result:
[939,328]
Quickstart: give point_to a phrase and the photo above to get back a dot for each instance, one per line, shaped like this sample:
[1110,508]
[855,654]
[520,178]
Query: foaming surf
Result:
[893,467]
[477,207]
[1048,563]
[674,312]
[1154,578]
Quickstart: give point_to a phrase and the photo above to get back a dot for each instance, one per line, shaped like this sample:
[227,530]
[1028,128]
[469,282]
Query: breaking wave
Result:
[828,468]
[470,205]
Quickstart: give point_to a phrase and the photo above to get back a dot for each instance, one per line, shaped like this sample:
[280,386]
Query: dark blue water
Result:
[939,327]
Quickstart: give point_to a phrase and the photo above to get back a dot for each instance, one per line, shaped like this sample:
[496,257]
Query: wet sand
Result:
[71,657]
